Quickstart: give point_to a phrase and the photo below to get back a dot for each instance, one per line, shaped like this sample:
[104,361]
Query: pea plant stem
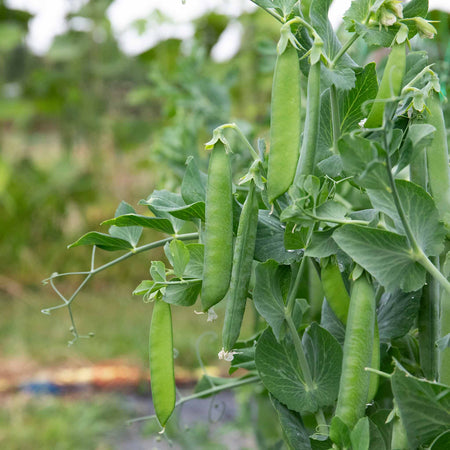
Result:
[418,253]
[213,390]
[335,119]
[239,132]
[343,50]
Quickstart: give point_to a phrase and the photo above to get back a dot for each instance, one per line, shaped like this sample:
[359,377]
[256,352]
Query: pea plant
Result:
[336,239]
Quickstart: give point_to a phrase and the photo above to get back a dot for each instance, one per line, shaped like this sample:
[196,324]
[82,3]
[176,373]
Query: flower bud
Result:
[425,29]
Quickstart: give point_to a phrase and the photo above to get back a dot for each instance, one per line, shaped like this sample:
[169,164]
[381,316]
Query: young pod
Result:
[242,269]
[358,346]
[305,165]
[218,237]
[284,124]
[334,289]
[162,377]
[390,86]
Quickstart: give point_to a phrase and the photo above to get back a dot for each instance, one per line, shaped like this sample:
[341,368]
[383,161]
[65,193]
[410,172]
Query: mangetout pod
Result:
[285,124]
[218,238]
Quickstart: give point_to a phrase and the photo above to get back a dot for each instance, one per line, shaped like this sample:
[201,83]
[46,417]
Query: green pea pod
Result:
[306,161]
[285,124]
[242,269]
[358,345]
[334,289]
[375,364]
[390,86]
[437,160]
[218,238]
[162,375]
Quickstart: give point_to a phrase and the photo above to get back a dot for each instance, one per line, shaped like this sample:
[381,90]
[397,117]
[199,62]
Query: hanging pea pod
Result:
[358,346]
[437,159]
[218,237]
[305,165]
[285,123]
[390,86]
[334,288]
[242,268]
[162,375]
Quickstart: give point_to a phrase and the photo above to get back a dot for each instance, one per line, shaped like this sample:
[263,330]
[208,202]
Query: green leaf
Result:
[319,20]
[280,373]
[424,407]
[294,236]
[158,271]
[357,13]
[179,257]
[383,254]
[366,88]
[442,442]
[193,188]
[131,234]
[360,435]
[146,286]
[103,241]
[340,433]
[360,159]
[156,223]
[397,313]
[182,292]
[331,323]
[270,241]
[194,267]
[294,431]
[420,211]
[443,342]
[418,138]
[343,78]
[268,297]
[322,244]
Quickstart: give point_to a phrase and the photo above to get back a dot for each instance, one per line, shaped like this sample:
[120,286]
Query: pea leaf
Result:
[270,241]
[268,297]
[396,314]
[383,254]
[331,323]
[360,159]
[366,88]
[443,342]
[442,442]
[131,234]
[319,20]
[291,422]
[360,435]
[420,211]
[424,407]
[178,255]
[343,78]
[182,292]
[193,188]
[245,358]
[322,244]
[194,267]
[280,373]
[156,223]
[103,241]
[419,136]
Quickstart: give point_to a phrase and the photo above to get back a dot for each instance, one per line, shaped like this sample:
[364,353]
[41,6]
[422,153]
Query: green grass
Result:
[61,424]
[119,320]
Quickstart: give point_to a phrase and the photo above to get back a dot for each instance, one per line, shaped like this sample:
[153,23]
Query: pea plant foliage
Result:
[336,239]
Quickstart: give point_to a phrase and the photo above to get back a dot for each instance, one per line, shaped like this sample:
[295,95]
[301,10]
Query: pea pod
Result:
[162,375]
[390,86]
[242,268]
[374,364]
[437,160]
[358,345]
[284,123]
[218,238]
[334,288]
[308,149]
